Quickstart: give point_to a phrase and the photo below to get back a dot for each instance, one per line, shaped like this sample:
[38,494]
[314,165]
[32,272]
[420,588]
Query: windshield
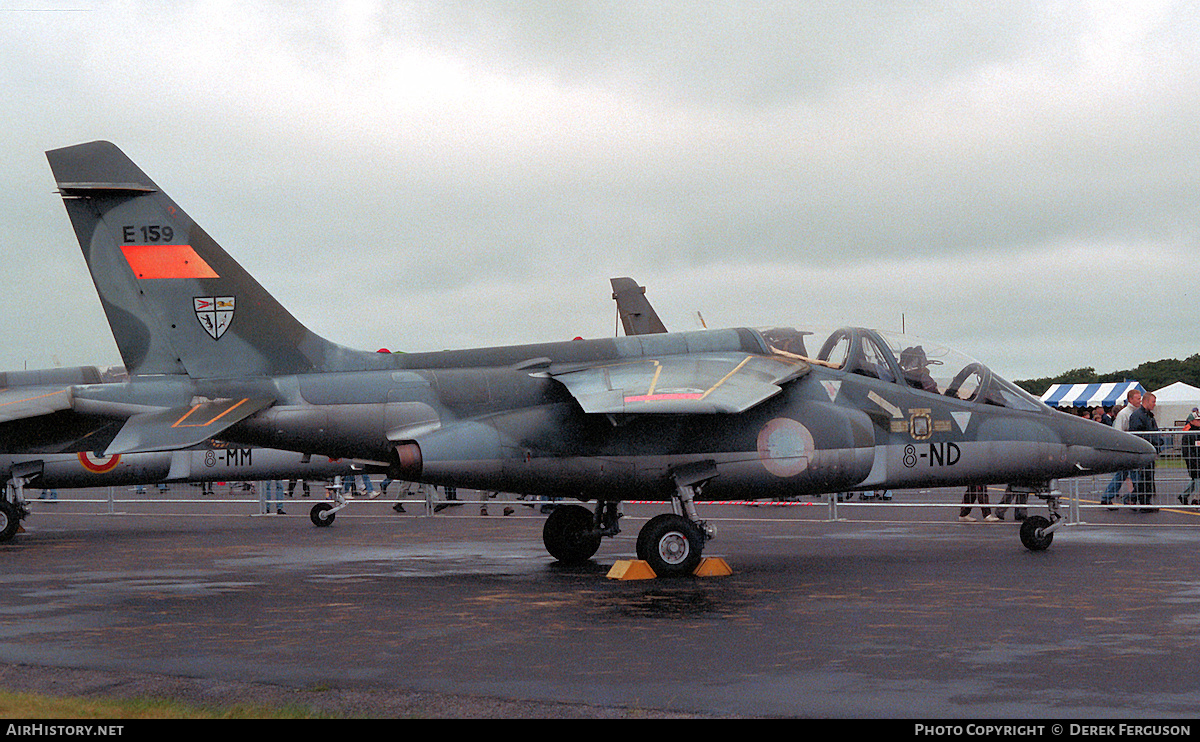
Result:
[900,359]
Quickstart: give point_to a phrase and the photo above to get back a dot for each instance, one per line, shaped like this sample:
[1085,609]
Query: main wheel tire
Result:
[671,545]
[1032,536]
[10,520]
[320,515]
[570,534]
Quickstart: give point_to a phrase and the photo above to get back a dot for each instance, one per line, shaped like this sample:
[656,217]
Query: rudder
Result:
[177,303]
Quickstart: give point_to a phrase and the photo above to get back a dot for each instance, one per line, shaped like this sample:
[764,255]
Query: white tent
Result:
[1174,402]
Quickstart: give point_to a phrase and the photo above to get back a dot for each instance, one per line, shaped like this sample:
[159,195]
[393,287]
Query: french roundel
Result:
[784,447]
[99,464]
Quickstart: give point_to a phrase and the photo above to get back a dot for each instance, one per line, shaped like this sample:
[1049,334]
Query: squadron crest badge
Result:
[214,313]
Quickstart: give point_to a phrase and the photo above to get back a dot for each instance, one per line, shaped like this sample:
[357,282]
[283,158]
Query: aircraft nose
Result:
[1096,447]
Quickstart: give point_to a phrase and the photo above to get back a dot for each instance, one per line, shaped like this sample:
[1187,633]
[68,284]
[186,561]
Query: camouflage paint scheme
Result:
[215,464]
[214,461]
[682,417]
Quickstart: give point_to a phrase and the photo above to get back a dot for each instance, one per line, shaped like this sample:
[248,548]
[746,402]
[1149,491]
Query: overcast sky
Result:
[1018,180]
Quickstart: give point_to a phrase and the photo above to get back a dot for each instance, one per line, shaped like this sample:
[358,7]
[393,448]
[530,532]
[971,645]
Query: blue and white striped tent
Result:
[1089,395]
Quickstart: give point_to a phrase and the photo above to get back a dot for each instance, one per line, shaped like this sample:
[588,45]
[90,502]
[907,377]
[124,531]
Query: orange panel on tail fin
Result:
[166,261]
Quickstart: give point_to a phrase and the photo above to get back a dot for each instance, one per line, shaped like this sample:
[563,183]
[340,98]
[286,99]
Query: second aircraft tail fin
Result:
[637,315]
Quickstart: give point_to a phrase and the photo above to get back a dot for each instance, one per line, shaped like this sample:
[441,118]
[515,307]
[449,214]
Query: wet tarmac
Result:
[894,612]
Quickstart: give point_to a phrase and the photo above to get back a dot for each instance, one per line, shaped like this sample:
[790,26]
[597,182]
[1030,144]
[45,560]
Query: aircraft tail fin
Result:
[637,316]
[177,303]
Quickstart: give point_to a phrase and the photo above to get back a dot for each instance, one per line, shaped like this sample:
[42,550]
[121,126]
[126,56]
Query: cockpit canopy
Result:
[900,359]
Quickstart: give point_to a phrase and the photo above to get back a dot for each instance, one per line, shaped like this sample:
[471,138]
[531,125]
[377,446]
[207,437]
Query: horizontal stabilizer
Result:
[183,427]
[696,383]
[90,188]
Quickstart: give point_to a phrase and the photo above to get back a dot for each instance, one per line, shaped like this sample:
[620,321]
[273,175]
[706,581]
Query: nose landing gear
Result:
[1034,533]
[1037,533]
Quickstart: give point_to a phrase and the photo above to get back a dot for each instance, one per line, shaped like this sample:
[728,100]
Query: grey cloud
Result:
[420,174]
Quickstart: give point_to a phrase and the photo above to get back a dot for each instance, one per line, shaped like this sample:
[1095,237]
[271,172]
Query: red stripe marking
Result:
[650,397]
[166,261]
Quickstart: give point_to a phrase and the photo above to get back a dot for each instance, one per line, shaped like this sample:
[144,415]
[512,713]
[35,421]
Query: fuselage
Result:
[498,419]
[214,464]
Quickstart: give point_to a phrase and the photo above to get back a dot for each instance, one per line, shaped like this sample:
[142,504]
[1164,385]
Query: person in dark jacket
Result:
[1133,400]
[1190,448]
[1142,421]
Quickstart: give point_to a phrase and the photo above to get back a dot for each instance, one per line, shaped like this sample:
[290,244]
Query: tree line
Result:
[1151,374]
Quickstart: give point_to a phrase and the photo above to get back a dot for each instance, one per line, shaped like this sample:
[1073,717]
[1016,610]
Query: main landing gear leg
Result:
[672,543]
[12,508]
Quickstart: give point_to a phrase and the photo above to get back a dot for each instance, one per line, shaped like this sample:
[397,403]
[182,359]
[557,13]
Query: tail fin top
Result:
[637,316]
[176,302]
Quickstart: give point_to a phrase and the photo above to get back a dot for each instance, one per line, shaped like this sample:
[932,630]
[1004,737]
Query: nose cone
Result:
[1094,447]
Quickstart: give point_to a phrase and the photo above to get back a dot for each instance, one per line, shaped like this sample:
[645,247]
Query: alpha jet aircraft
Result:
[215,463]
[677,417]
[51,469]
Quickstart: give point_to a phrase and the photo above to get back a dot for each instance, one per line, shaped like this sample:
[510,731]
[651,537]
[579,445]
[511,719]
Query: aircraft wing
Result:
[694,383]
[33,401]
[183,427]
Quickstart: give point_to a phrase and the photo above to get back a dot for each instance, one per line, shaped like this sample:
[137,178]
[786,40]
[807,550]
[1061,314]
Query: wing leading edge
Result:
[33,401]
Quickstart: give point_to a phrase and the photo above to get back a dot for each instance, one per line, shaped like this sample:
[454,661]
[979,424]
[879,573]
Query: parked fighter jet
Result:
[215,461]
[677,417]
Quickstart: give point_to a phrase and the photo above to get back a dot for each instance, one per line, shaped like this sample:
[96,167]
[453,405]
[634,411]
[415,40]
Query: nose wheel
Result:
[1034,533]
[322,515]
[1037,532]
